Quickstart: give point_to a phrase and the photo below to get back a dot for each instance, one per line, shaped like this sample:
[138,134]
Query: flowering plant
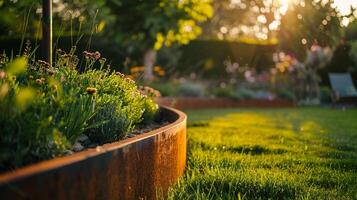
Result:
[303,76]
[45,109]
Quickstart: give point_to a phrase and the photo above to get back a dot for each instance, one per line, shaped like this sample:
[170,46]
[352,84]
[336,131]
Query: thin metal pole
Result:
[47,31]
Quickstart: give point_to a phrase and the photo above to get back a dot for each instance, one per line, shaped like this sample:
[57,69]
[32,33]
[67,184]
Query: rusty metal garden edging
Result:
[136,168]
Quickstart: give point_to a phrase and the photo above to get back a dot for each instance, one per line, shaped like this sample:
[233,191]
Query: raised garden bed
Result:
[139,167]
[202,103]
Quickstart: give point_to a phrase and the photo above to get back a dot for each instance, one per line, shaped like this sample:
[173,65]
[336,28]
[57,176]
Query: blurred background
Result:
[239,49]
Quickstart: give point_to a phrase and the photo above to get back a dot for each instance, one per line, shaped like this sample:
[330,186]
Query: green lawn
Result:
[306,153]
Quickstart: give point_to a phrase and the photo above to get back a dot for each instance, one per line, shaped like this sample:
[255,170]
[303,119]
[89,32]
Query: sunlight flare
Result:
[284,6]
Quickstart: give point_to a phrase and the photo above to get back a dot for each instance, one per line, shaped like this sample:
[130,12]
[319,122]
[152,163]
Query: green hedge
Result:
[206,57]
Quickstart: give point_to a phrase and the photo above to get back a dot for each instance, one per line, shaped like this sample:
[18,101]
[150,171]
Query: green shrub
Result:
[243,93]
[287,94]
[166,88]
[44,109]
[150,110]
[325,94]
[117,123]
[189,89]
[226,92]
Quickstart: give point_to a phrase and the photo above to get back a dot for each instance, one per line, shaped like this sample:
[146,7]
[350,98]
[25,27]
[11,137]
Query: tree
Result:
[351,31]
[147,26]
[309,22]
[239,19]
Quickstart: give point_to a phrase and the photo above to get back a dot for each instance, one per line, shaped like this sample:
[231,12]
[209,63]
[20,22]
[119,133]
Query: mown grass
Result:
[305,153]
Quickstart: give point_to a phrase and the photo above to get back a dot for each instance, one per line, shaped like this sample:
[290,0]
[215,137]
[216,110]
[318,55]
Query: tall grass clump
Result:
[45,108]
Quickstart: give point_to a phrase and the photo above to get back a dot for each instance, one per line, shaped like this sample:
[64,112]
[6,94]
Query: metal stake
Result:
[47,31]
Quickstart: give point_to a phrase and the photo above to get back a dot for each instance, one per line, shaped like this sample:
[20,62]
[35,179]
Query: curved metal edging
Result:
[134,168]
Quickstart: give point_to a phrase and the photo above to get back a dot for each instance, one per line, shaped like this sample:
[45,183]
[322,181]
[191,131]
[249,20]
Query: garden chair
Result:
[343,89]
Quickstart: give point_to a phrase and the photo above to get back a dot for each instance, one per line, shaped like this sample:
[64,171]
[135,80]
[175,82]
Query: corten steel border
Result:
[187,103]
[137,168]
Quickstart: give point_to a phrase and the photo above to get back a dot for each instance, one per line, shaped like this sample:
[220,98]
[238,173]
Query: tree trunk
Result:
[149,62]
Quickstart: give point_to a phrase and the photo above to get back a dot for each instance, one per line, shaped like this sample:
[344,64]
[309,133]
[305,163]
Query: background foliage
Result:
[309,22]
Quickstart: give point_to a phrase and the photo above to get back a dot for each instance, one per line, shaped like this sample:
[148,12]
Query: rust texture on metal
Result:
[137,168]
[204,103]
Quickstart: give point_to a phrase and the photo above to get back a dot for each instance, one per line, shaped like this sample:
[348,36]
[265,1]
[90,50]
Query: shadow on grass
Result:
[198,124]
[251,150]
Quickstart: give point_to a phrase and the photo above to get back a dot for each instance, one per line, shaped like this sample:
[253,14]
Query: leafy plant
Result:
[117,122]
[76,115]
[44,109]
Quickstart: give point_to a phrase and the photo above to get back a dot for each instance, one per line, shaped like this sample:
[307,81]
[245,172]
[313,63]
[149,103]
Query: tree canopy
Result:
[309,22]
[152,24]
[237,19]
